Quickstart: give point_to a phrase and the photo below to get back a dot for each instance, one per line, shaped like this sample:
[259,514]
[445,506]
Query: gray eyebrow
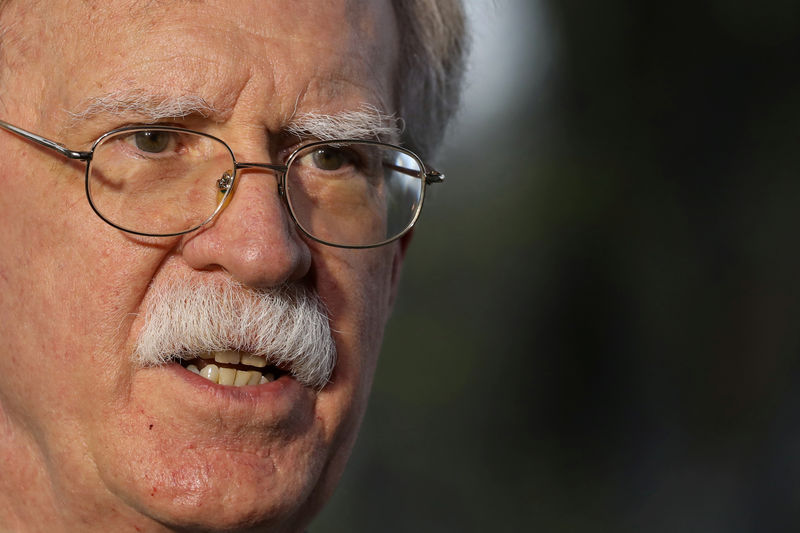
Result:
[364,123]
[152,107]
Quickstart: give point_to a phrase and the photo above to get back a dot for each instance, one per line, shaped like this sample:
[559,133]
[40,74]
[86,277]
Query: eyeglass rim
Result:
[130,129]
[281,172]
[427,176]
[417,211]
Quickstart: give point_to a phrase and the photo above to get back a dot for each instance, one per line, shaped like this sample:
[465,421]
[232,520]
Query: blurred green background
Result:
[598,326]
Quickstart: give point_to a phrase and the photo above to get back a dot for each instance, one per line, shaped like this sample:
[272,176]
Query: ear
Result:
[401,247]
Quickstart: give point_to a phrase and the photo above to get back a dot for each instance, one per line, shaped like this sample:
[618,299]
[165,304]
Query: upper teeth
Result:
[228,356]
[232,376]
[254,360]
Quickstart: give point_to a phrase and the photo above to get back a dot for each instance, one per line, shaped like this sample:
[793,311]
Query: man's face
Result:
[86,435]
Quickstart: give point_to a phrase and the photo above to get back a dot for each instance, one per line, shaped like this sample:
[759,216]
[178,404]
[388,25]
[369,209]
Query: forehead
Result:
[292,53]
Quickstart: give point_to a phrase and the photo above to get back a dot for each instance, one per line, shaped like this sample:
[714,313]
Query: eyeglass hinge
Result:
[434,176]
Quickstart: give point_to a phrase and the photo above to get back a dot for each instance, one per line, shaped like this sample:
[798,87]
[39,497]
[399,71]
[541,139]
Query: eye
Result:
[329,158]
[153,142]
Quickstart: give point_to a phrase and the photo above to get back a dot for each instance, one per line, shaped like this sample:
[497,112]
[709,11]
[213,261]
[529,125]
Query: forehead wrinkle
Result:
[365,123]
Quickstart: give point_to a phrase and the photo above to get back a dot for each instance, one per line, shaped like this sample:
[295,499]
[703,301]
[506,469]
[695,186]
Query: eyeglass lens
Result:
[160,182]
[157,182]
[354,194]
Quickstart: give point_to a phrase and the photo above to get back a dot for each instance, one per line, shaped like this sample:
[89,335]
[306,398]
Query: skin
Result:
[88,440]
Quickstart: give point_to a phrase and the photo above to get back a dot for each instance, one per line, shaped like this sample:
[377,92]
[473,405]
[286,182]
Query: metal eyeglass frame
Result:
[227,182]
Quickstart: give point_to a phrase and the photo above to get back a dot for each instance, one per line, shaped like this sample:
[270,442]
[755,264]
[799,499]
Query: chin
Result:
[233,502]
[205,469]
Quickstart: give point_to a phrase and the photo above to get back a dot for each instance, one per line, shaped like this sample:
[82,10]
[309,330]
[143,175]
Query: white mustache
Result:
[288,325]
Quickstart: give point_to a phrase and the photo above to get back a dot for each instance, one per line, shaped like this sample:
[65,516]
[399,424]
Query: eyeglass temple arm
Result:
[431,176]
[84,156]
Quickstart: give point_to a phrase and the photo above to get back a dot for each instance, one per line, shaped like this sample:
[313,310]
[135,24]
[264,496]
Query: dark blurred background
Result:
[598,327]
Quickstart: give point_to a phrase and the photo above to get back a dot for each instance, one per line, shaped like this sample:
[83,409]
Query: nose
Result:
[253,238]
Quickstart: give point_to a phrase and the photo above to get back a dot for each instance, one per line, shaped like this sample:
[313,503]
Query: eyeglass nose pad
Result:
[224,186]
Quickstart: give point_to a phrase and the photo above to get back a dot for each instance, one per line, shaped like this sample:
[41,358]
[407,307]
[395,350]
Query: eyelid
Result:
[155,125]
[350,156]
[297,143]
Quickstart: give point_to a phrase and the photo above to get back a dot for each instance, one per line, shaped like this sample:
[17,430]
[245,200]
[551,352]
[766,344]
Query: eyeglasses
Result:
[163,181]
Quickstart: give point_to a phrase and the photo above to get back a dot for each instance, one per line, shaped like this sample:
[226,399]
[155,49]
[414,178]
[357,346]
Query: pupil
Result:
[328,159]
[152,141]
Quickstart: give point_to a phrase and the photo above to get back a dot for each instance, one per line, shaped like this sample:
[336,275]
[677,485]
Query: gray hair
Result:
[433,48]
[287,325]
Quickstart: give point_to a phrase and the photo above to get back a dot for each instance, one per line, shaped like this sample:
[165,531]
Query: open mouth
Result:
[233,368]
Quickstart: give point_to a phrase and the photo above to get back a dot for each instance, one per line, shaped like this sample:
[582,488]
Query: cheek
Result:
[65,275]
[356,288]
[70,291]
[66,326]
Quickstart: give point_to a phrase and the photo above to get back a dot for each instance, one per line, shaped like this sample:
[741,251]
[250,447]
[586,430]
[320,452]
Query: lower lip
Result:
[283,391]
